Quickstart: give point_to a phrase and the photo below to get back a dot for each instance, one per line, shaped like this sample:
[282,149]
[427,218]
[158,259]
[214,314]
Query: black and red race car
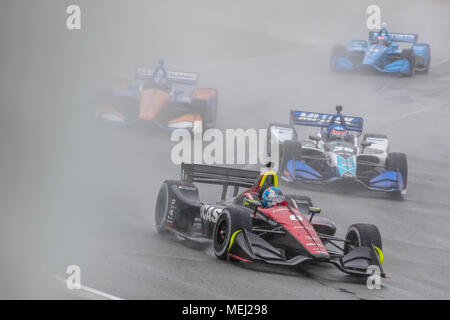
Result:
[241,229]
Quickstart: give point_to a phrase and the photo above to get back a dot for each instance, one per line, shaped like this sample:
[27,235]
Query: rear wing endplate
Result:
[220,176]
[397,37]
[316,119]
[146,74]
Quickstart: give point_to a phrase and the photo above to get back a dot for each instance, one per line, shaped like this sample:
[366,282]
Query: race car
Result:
[383,53]
[168,99]
[241,228]
[332,154]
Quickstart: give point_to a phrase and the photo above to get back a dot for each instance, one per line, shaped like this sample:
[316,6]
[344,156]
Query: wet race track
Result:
[90,197]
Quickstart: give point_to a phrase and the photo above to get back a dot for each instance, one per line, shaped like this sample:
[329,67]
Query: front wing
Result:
[388,181]
[248,247]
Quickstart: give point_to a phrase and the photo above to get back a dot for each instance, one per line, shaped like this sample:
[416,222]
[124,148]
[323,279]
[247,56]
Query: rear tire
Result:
[362,235]
[162,208]
[208,111]
[231,219]
[292,150]
[269,136]
[398,161]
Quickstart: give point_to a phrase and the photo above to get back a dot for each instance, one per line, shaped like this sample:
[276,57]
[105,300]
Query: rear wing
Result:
[220,176]
[397,37]
[315,119]
[146,74]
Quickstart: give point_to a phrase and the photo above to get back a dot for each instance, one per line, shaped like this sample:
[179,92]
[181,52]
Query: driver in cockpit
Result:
[160,78]
[383,36]
[337,132]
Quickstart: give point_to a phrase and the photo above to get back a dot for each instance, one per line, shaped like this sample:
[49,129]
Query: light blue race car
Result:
[383,52]
[333,155]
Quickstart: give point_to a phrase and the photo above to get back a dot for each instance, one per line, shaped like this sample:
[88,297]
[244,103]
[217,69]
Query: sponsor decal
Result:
[280,209]
[172,209]
[295,217]
[210,213]
[190,188]
[322,118]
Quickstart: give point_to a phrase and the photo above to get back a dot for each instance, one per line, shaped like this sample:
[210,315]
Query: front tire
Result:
[362,235]
[398,161]
[231,220]
[425,63]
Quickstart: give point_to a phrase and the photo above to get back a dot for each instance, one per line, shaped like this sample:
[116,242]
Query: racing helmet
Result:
[271,196]
[160,77]
[382,40]
[337,132]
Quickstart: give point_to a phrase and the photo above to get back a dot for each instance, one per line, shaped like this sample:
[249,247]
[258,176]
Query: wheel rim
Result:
[161,208]
[220,241]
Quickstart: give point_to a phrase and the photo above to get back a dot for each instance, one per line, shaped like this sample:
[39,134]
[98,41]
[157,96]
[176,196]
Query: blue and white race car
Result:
[382,52]
[332,154]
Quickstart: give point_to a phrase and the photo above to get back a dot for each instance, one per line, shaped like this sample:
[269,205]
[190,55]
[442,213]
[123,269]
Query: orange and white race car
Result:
[168,99]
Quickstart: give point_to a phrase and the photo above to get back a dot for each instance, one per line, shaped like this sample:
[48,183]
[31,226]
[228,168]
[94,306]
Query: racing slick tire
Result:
[176,205]
[362,235]
[162,208]
[338,50]
[292,150]
[269,136]
[409,55]
[421,63]
[208,111]
[398,161]
[231,220]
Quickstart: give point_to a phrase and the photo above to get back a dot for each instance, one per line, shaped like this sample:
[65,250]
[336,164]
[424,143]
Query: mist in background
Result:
[68,188]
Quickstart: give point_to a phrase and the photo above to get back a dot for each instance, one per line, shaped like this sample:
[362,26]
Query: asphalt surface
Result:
[84,194]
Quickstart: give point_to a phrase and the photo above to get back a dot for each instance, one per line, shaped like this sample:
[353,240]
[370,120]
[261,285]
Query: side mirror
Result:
[365,144]
[316,139]
[314,211]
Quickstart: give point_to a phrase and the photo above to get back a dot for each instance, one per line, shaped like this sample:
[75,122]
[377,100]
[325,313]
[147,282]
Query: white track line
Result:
[407,115]
[90,290]
[441,62]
